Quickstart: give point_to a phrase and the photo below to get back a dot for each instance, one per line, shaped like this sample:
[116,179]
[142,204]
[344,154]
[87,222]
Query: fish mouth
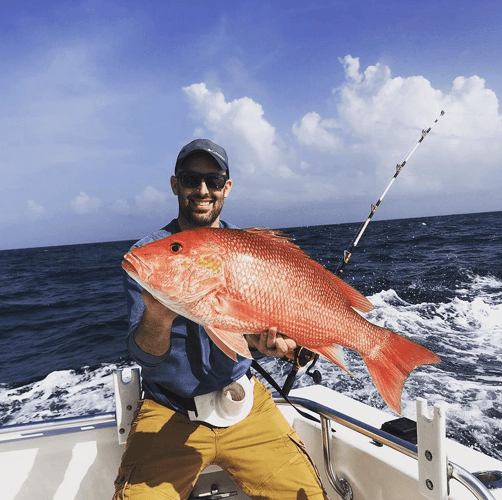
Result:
[133,266]
[128,267]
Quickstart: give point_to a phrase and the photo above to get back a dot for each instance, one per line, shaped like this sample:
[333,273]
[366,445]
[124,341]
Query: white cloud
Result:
[241,123]
[373,104]
[351,65]
[379,117]
[151,200]
[35,211]
[476,106]
[314,131]
[84,204]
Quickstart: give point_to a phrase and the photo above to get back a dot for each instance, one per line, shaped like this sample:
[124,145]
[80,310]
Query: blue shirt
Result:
[193,365]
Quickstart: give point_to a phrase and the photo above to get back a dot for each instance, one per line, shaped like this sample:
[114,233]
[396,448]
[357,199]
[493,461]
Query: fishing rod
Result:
[347,254]
[303,356]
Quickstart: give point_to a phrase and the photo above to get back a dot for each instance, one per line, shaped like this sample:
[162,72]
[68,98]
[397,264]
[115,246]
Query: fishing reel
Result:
[301,358]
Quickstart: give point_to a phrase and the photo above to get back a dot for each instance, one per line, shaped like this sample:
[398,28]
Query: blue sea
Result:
[436,280]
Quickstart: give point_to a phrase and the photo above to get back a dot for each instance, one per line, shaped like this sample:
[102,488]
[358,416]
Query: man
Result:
[184,424]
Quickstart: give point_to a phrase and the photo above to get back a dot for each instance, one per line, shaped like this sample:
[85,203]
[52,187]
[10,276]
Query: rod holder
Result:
[127,394]
[432,459]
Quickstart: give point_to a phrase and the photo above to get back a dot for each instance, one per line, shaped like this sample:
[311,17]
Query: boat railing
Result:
[341,486]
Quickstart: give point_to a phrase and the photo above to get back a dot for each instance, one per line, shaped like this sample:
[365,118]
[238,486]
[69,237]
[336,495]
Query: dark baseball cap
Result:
[205,146]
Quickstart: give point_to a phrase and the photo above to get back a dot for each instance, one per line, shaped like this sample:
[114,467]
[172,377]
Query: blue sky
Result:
[315,102]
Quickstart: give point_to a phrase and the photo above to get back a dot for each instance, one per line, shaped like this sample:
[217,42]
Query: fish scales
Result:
[288,288]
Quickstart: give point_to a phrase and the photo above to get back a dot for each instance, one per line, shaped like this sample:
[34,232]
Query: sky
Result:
[315,103]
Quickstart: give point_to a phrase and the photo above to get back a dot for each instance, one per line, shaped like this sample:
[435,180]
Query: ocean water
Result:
[436,280]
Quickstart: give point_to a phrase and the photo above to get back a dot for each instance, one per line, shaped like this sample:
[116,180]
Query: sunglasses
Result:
[193,180]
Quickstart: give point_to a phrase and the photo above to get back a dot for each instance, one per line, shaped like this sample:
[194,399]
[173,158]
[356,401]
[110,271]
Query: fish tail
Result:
[391,362]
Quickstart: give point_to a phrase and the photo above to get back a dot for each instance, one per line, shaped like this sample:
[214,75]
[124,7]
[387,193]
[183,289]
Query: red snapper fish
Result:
[235,282]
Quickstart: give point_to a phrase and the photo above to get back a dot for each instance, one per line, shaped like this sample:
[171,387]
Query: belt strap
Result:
[276,386]
[188,404]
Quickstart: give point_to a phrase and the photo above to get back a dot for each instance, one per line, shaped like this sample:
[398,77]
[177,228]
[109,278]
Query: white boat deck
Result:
[78,458]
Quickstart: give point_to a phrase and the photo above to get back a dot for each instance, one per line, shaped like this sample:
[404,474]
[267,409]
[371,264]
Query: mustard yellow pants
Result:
[166,452]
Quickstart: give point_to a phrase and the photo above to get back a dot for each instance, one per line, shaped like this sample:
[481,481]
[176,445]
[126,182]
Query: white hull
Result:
[78,458]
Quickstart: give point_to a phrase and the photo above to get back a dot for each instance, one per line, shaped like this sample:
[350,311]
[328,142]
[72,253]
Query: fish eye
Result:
[176,247]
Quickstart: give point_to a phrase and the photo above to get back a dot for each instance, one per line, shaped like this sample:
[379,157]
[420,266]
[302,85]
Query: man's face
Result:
[200,206]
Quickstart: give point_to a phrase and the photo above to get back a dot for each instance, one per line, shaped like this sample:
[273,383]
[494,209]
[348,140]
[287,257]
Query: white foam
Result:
[61,394]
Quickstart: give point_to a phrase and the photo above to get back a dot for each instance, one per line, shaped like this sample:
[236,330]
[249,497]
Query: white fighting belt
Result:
[227,406]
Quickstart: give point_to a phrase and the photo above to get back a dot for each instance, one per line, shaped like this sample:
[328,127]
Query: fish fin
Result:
[391,362]
[356,299]
[230,343]
[278,237]
[224,305]
[272,234]
[334,353]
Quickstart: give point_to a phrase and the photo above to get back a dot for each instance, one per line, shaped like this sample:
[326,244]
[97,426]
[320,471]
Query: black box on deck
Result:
[403,428]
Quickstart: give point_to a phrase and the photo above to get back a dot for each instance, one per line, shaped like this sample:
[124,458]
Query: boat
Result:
[361,453]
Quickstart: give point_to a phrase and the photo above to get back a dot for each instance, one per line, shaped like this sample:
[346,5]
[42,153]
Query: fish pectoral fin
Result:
[334,353]
[196,290]
[231,343]
[226,306]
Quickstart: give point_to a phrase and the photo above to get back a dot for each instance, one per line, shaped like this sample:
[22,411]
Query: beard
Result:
[201,219]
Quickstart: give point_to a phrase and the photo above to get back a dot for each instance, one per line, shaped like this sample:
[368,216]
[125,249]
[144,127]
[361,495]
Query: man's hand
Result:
[272,343]
[157,311]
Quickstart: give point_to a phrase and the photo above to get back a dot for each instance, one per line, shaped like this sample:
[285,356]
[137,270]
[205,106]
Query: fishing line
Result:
[347,254]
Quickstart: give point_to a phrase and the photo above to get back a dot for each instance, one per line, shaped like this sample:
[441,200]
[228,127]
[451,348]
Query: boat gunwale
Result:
[56,426]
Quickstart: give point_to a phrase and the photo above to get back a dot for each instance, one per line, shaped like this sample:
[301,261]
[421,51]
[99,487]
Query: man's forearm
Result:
[153,334]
